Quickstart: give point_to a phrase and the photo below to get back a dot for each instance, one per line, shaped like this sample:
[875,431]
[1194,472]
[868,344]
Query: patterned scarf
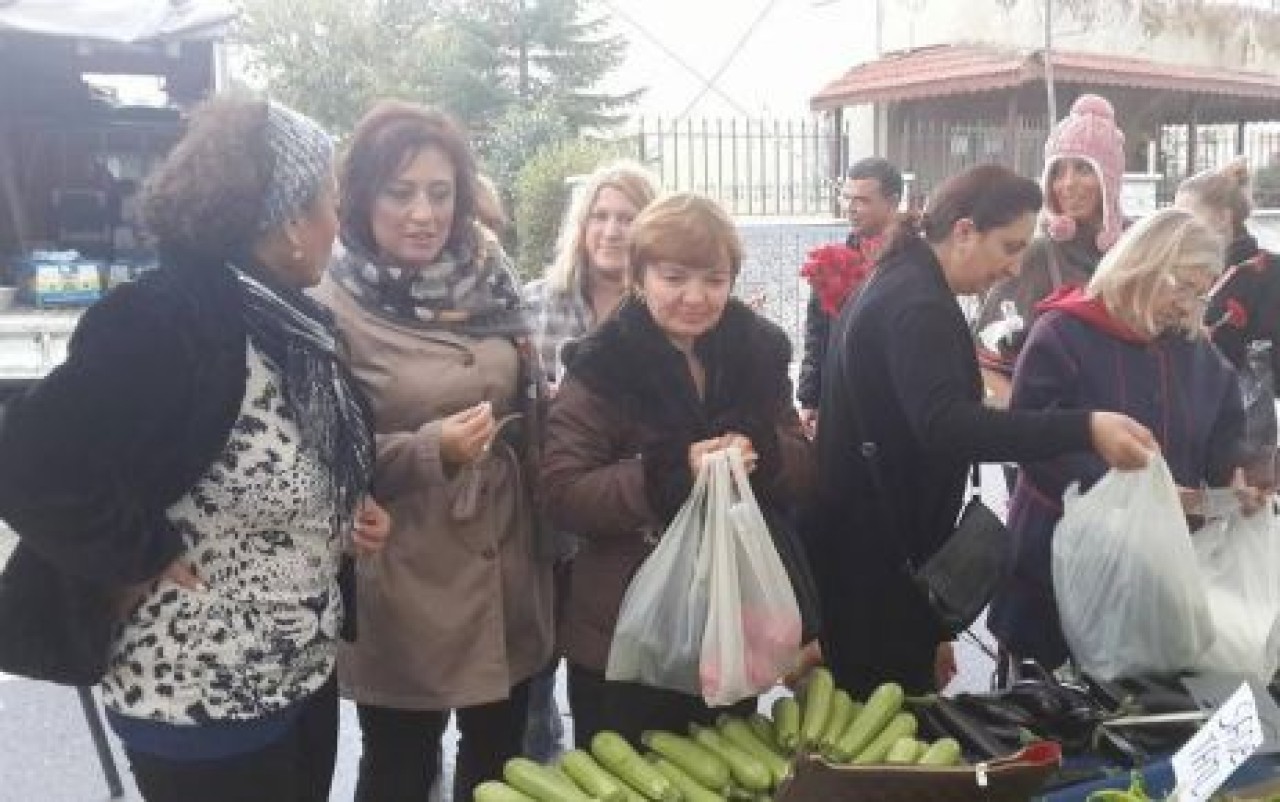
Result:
[296,335]
[476,295]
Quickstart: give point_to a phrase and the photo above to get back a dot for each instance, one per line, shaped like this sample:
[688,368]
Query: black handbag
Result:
[960,578]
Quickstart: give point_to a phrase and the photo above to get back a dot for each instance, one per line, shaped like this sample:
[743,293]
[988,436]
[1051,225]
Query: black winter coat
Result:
[95,453]
[817,330]
[1254,285]
[901,379]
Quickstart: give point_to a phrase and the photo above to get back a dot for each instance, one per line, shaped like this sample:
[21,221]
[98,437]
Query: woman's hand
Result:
[944,664]
[1121,441]
[465,435]
[701,448]
[1192,500]
[1252,499]
[810,658]
[372,527]
[179,572]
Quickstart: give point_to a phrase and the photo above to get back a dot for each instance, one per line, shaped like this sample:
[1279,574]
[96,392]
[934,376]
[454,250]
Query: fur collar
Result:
[630,362]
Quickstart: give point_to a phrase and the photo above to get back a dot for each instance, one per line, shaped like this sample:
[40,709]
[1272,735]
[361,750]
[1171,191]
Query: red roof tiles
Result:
[955,69]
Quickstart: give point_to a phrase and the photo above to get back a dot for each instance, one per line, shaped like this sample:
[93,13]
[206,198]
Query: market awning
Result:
[957,69]
[123,21]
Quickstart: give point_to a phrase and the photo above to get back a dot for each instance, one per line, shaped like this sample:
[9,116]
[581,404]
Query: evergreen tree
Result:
[482,60]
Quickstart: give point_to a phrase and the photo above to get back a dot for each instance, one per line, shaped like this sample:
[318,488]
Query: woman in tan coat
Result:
[456,614]
[679,370]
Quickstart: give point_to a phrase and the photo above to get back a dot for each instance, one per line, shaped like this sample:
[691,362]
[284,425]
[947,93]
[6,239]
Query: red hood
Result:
[1072,301]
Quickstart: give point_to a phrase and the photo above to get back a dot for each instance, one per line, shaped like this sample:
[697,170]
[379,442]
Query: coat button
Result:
[489,553]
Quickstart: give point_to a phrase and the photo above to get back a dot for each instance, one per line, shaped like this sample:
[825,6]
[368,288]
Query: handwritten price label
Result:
[1213,754]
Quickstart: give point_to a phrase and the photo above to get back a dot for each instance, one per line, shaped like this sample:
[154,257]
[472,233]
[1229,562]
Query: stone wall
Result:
[775,249]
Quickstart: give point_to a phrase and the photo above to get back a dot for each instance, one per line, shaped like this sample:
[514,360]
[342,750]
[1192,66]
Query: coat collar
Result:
[629,361]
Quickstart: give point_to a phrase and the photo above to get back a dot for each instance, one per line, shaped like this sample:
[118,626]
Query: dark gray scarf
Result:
[296,335]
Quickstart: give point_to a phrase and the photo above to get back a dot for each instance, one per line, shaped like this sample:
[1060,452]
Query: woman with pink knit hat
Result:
[1083,171]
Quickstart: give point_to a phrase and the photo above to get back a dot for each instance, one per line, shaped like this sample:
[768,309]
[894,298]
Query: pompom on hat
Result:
[1088,133]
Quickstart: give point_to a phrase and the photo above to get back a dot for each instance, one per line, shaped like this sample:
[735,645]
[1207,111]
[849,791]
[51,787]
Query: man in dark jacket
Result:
[871,194]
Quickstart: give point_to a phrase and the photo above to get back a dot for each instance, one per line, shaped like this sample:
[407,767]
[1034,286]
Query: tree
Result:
[475,58]
[331,59]
[542,195]
[550,53]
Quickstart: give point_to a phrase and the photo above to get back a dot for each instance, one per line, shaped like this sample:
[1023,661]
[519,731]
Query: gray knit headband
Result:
[303,160]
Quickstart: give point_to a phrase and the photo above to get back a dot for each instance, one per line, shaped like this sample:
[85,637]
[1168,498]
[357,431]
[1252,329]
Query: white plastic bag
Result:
[658,638]
[1129,591]
[1240,560]
[753,623]
[711,612]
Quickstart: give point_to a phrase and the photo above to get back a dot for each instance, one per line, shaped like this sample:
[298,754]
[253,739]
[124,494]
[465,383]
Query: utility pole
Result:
[522,54]
[1050,94]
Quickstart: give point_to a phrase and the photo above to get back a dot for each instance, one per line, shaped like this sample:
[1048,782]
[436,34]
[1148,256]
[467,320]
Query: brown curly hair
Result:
[385,140]
[206,198]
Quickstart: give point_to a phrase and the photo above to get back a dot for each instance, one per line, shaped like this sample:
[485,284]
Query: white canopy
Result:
[126,21]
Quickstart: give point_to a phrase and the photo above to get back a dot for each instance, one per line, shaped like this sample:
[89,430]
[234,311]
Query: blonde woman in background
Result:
[588,277]
[581,288]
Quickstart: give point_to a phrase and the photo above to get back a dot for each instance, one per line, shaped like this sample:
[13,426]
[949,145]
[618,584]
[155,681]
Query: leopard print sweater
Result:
[261,532]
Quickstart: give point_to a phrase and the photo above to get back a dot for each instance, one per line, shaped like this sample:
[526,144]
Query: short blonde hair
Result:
[687,228]
[624,175]
[1154,253]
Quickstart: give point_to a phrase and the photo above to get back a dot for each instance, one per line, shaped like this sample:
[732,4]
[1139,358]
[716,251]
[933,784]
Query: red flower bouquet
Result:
[1236,316]
[835,271]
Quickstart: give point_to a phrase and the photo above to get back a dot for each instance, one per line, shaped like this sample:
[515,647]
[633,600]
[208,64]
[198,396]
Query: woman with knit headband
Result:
[1083,172]
[185,485]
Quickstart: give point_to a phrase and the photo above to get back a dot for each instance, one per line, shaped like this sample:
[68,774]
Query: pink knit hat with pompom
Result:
[1089,133]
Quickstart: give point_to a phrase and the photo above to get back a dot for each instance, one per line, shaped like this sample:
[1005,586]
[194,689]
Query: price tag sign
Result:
[1213,754]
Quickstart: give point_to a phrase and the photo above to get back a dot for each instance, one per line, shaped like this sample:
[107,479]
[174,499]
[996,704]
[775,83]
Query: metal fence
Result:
[792,167]
[932,150]
[752,166]
[1215,146]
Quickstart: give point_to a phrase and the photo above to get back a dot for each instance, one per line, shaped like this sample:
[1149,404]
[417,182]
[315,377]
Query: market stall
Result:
[75,148]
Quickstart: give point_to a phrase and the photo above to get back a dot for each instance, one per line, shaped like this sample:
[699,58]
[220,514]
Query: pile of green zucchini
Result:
[738,759]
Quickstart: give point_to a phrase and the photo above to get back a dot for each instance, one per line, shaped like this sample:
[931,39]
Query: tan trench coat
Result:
[457,608]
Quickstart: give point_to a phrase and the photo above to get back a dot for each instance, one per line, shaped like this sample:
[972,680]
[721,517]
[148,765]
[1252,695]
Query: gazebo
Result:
[945,107]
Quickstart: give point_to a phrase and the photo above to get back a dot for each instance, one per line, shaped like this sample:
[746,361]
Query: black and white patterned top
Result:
[261,531]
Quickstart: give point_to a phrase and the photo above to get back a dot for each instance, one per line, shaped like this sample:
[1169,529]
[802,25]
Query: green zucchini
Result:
[942,752]
[816,704]
[494,791]
[738,733]
[746,771]
[689,788]
[540,782]
[694,759]
[786,723]
[903,726]
[591,777]
[879,710]
[625,763]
